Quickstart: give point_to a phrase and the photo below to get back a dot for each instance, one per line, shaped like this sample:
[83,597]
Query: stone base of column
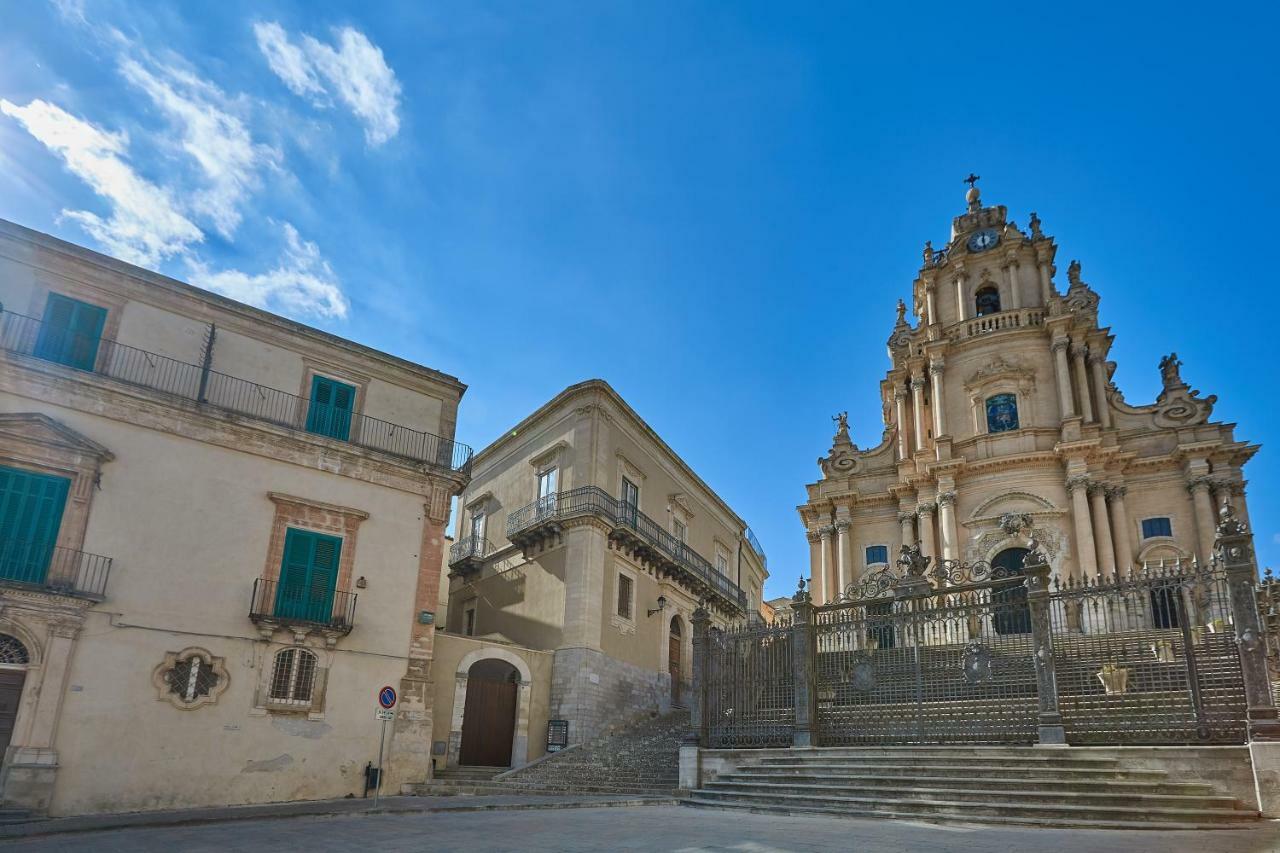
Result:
[1051,735]
[1264,724]
[29,774]
[1265,757]
[690,767]
[802,737]
[408,759]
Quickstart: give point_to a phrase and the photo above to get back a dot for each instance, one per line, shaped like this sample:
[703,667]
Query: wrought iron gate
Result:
[946,659]
[1148,657]
[751,688]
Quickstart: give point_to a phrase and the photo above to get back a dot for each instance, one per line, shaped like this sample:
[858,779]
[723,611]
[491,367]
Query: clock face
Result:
[983,240]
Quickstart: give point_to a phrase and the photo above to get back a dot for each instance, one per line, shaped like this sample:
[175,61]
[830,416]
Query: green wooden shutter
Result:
[331,406]
[30,516]
[308,576]
[71,332]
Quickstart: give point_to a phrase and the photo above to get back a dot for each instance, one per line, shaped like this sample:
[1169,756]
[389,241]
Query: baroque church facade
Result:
[1001,423]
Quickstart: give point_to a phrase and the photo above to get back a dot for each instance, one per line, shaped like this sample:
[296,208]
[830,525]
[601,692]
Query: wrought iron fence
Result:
[752,702]
[1148,657]
[290,604]
[29,336]
[592,500]
[1173,654]
[60,570]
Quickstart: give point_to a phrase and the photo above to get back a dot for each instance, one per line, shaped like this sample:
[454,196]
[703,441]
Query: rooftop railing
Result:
[32,337]
[592,500]
[757,547]
[53,569]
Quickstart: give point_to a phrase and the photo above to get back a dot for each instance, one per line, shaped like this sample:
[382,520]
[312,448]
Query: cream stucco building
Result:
[1001,421]
[583,545]
[220,534]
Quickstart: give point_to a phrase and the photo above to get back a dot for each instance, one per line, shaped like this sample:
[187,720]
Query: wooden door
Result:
[10,694]
[673,663]
[488,722]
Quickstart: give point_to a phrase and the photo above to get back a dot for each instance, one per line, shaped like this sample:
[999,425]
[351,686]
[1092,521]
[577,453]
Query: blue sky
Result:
[715,206]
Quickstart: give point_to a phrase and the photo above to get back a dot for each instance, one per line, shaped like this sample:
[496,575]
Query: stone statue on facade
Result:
[1170,371]
[1036,233]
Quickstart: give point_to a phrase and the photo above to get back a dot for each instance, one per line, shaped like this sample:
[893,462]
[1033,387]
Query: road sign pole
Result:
[382,741]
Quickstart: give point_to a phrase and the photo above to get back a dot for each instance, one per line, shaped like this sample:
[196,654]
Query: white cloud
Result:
[354,70]
[302,282]
[216,139]
[145,226]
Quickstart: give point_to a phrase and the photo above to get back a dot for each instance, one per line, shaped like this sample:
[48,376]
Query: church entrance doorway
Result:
[489,714]
[1012,616]
[673,659]
[13,675]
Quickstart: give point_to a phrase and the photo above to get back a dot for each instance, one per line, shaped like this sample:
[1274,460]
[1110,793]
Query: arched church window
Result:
[1002,413]
[12,652]
[987,301]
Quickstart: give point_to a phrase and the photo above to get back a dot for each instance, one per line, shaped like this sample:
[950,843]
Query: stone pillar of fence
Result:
[697,736]
[802,662]
[1234,549]
[1036,568]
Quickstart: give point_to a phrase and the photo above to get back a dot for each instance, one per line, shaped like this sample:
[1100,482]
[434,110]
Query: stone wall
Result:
[594,691]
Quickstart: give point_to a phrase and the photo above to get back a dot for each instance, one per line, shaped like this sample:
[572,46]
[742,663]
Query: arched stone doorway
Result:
[489,714]
[1009,601]
[14,660]
[675,661]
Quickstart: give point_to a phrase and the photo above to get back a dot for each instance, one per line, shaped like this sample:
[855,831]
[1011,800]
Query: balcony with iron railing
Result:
[469,553]
[298,606]
[645,536]
[28,336]
[46,567]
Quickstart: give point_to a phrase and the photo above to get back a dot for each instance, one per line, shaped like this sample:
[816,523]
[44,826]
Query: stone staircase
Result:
[989,785]
[642,758]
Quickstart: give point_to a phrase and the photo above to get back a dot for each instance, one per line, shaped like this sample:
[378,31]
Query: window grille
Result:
[12,652]
[191,677]
[293,677]
[1156,527]
[624,596]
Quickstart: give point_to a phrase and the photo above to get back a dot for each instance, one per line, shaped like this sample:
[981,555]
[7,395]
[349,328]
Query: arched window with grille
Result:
[987,301]
[293,677]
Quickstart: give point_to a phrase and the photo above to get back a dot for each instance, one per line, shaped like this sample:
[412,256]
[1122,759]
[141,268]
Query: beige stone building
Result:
[583,546]
[220,534]
[1001,421]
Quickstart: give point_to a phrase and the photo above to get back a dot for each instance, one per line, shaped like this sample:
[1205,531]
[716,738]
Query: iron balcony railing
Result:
[299,604]
[757,547]
[470,548]
[592,500]
[32,337]
[47,567]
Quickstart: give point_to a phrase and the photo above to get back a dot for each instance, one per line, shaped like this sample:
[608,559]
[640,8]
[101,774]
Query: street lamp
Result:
[662,605]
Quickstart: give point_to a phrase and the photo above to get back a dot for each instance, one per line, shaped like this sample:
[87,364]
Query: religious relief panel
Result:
[1002,413]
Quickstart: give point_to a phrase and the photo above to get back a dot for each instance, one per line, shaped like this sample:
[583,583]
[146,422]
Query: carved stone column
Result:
[1086,552]
[824,592]
[844,564]
[936,393]
[1063,372]
[1234,546]
[1079,352]
[1203,507]
[947,525]
[917,409]
[900,411]
[1036,568]
[802,658]
[1046,285]
[929,302]
[962,305]
[1011,280]
[1102,529]
[1120,535]
[1096,362]
[928,545]
[815,556]
[907,521]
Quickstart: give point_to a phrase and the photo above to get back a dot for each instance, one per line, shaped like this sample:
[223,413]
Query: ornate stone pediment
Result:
[1000,368]
[34,428]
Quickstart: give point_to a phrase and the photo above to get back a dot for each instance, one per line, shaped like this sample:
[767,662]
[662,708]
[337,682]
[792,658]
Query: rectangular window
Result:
[329,412]
[308,576]
[547,485]
[31,507]
[477,526]
[1156,527]
[630,500]
[679,530]
[469,622]
[625,589]
[71,332]
[877,554]
[722,563]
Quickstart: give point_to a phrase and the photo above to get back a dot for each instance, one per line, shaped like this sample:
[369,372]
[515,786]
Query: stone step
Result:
[1022,761]
[460,788]
[1040,810]
[1105,799]
[1155,785]
[1067,823]
[1115,772]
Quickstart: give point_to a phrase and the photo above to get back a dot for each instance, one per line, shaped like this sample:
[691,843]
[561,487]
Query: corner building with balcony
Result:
[584,538]
[1001,422]
[221,533]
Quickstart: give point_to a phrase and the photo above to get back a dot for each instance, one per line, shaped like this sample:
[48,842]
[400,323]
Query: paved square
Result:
[667,828]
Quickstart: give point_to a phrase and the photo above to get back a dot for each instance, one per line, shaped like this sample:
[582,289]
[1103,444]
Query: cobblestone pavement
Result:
[669,828]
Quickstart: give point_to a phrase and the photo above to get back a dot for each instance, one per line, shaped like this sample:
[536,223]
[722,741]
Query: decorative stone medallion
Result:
[976,663]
